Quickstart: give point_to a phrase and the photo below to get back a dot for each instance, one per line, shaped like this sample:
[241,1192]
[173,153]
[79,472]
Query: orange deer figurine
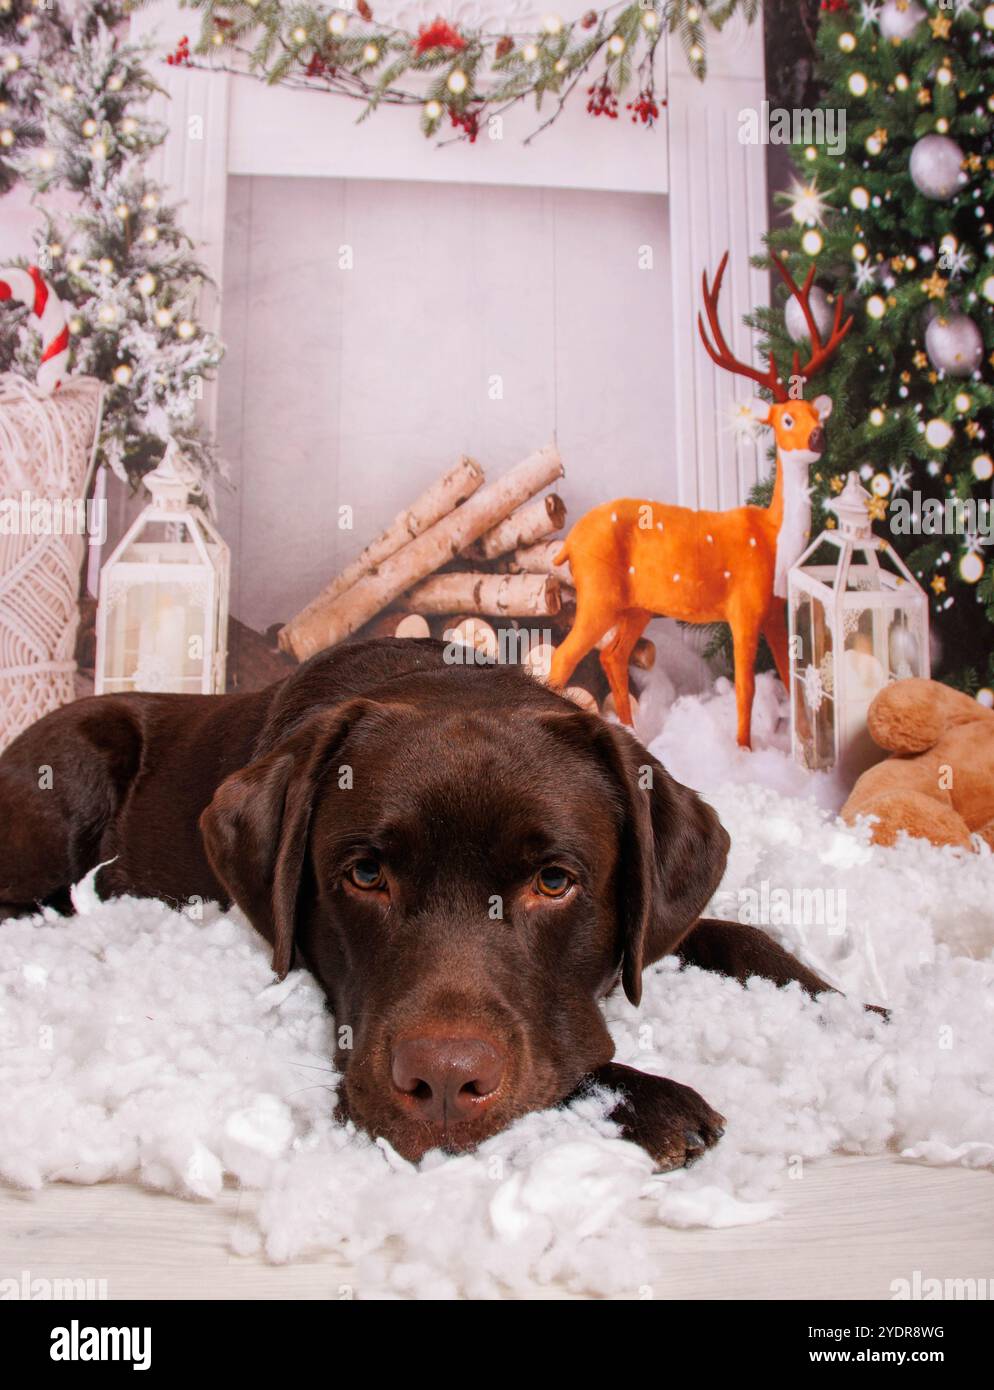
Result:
[633,559]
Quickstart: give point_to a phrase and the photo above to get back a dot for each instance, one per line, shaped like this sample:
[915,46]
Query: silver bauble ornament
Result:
[821,312]
[936,167]
[900,18]
[954,344]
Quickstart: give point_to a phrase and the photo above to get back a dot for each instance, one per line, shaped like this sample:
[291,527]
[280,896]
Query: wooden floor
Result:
[850,1227]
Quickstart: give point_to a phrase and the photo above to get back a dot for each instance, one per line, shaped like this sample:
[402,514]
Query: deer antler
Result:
[820,352]
[721,354]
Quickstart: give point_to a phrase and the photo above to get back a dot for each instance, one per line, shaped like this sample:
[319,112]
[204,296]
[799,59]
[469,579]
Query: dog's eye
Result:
[553,882]
[366,873]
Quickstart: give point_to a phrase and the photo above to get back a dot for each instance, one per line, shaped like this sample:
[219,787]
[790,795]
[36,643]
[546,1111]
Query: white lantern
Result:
[162,615]
[856,624]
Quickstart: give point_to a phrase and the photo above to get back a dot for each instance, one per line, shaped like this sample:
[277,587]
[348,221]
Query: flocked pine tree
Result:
[20,124]
[902,224]
[119,258]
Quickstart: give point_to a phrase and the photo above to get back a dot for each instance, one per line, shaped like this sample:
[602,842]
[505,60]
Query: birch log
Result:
[474,632]
[526,524]
[329,622]
[581,697]
[496,595]
[643,655]
[539,559]
[437,501]
[400,625]
[609,707]
[538,661]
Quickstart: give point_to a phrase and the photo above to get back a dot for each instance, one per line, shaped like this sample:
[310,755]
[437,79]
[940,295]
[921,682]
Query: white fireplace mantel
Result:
[715,188]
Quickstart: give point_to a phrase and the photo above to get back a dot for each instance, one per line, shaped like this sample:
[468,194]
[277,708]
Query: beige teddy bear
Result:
[939,784]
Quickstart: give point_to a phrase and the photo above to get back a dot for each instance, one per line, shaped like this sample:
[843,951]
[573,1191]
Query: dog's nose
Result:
[448,1079]
[816,441]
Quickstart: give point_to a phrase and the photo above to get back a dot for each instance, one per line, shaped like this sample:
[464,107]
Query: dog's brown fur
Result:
[462,782]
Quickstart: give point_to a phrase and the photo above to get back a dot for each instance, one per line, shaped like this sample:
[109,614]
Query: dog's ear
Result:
[686,846]
[257,826]
[673,847]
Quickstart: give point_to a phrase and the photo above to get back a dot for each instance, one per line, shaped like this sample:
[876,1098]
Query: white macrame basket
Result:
[48,446]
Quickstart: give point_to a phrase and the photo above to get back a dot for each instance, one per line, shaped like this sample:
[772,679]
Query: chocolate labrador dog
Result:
[465,860]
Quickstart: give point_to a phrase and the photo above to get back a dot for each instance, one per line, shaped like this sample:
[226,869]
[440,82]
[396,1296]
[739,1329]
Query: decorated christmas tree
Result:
[902,224]
[75,93]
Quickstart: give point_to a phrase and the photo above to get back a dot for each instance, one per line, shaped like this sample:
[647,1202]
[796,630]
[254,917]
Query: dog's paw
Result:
[670,1121]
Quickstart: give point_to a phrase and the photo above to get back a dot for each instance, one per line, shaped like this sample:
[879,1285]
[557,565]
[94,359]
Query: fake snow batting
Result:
[138,1044]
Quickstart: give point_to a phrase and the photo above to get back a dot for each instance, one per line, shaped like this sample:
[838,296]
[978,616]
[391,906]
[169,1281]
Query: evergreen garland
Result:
[457,78]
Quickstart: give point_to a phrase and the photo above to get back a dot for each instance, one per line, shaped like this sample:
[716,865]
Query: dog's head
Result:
[465,879]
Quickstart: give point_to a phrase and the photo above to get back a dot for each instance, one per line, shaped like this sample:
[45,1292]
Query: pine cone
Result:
[504,46]
[365,9]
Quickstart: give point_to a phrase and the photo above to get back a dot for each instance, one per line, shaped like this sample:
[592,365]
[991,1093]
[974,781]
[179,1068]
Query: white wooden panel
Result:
[717,202]
[473,321]
[279,130]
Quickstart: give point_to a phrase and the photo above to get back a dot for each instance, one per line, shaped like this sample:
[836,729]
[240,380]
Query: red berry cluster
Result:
[835,6]
[181,58]
[467,121]
[317,67]
[438,35]
[644,108]
[603,101]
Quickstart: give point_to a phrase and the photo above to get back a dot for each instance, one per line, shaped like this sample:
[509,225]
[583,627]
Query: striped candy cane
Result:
[28,287]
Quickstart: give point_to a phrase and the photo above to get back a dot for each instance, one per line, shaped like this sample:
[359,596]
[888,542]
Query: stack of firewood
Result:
[465,561]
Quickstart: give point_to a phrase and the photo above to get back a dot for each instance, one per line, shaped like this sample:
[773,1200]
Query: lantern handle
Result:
[852,508]
[172,481]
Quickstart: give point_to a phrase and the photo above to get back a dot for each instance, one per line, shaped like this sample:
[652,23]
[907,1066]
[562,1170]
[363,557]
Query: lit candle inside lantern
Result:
[162,647]
[864,677]
[171,643]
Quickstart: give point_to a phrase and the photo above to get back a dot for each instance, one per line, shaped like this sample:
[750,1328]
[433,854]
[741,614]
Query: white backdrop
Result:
[472,320]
